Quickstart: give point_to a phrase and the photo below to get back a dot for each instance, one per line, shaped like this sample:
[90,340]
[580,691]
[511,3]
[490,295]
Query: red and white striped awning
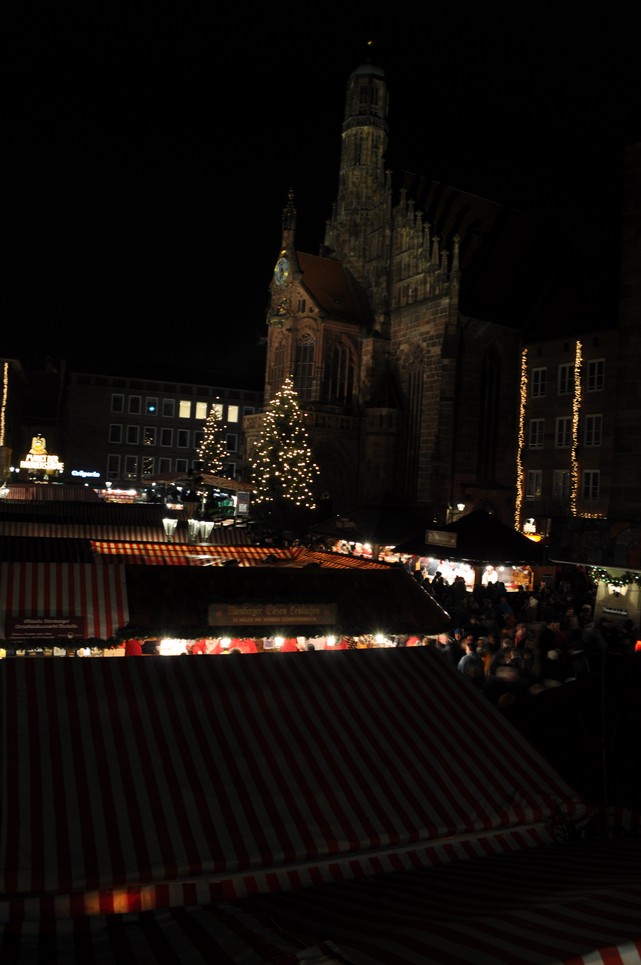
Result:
[182,554]
[83,531]
[577,903]
[94,591]
[157,782]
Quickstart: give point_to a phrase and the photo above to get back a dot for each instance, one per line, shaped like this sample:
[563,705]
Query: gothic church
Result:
[403,333]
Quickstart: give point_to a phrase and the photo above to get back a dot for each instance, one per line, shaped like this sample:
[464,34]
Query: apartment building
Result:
[567,419]
[126,431]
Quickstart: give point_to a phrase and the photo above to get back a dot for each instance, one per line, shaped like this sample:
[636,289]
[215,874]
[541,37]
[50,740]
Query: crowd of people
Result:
[514,645]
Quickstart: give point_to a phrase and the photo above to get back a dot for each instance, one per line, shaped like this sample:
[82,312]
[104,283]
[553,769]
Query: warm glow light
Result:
[225,642]
[331,641]
[279,641]
[212,452]
[170,647]
[3,404]
[281,463]
[576,412]
[518,502]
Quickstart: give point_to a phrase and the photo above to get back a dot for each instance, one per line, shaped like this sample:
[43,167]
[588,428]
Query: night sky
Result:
[148,154]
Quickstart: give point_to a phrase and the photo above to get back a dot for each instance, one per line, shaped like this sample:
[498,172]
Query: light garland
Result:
[576,412]
[3,406]
[518,504]
[627,578]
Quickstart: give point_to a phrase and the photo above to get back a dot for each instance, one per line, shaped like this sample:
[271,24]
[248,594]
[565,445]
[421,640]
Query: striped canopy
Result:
[214,779]
[363,806]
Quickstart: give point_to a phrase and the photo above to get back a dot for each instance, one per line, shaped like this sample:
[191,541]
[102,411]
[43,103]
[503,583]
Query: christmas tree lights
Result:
[282,470]
[212,451]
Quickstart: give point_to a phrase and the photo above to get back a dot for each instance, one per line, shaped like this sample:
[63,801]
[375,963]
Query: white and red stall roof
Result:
[370,806]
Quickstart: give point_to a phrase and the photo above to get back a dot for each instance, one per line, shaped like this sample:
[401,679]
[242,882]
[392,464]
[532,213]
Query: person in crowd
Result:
[471,663]
[554,667]
[438,587]
[488,647]
[505,611]
[577,659]
[450,647]
[550,638]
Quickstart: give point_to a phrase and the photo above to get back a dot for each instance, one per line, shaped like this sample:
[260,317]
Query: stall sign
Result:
[271,614]
[438,538]
[242,504]
[44,628]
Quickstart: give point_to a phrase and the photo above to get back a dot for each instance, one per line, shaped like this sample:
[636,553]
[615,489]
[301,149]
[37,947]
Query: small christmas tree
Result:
[283,472]
[212,451]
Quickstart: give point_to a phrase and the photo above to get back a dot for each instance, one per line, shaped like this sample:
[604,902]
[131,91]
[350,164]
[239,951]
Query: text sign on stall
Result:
[44,628]
[435,537]
[270,614]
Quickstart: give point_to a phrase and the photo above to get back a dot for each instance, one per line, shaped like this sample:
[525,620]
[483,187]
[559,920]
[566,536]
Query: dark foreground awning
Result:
[324,807]
[353,601]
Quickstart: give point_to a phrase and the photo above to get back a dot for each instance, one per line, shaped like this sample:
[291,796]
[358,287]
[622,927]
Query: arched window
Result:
[278,367]
[304,367]
[339,374]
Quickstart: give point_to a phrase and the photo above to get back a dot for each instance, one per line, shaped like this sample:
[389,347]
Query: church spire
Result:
[289,221]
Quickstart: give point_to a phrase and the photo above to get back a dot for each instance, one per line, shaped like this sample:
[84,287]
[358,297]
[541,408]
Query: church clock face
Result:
[281,271]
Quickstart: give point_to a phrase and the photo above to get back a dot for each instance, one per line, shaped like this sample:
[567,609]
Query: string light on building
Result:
[576,412]
[3,404]
[518,503]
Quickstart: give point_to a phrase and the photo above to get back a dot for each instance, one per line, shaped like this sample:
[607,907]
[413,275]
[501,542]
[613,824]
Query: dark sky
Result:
[148,154]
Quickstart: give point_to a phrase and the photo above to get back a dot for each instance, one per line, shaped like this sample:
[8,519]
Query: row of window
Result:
[153,436]
[136,468]
[561,484]
[167,408]
[594,379]
[339,370]
[592,432]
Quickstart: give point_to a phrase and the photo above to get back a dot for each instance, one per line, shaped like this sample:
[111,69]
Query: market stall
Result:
[172,784]
[478,547]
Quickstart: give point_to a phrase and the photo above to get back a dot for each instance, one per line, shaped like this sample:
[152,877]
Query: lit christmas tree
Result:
[212,451]
[283,472]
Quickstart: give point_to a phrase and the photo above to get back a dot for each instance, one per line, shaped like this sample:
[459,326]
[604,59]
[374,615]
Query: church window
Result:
[304,367]
[339,374]
[278,365]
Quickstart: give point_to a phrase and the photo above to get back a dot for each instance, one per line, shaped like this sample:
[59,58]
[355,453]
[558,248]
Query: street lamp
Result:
[169,526]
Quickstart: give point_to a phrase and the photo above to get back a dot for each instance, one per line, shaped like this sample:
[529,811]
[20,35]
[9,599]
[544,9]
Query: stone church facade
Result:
[403,333]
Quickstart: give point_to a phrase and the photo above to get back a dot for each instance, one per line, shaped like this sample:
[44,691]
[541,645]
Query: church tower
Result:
[372,333]
[359,231]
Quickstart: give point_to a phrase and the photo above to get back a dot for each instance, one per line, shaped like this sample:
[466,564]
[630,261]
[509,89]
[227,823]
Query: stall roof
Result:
[208,479]
[319,600]
[478,537]
[349,786]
